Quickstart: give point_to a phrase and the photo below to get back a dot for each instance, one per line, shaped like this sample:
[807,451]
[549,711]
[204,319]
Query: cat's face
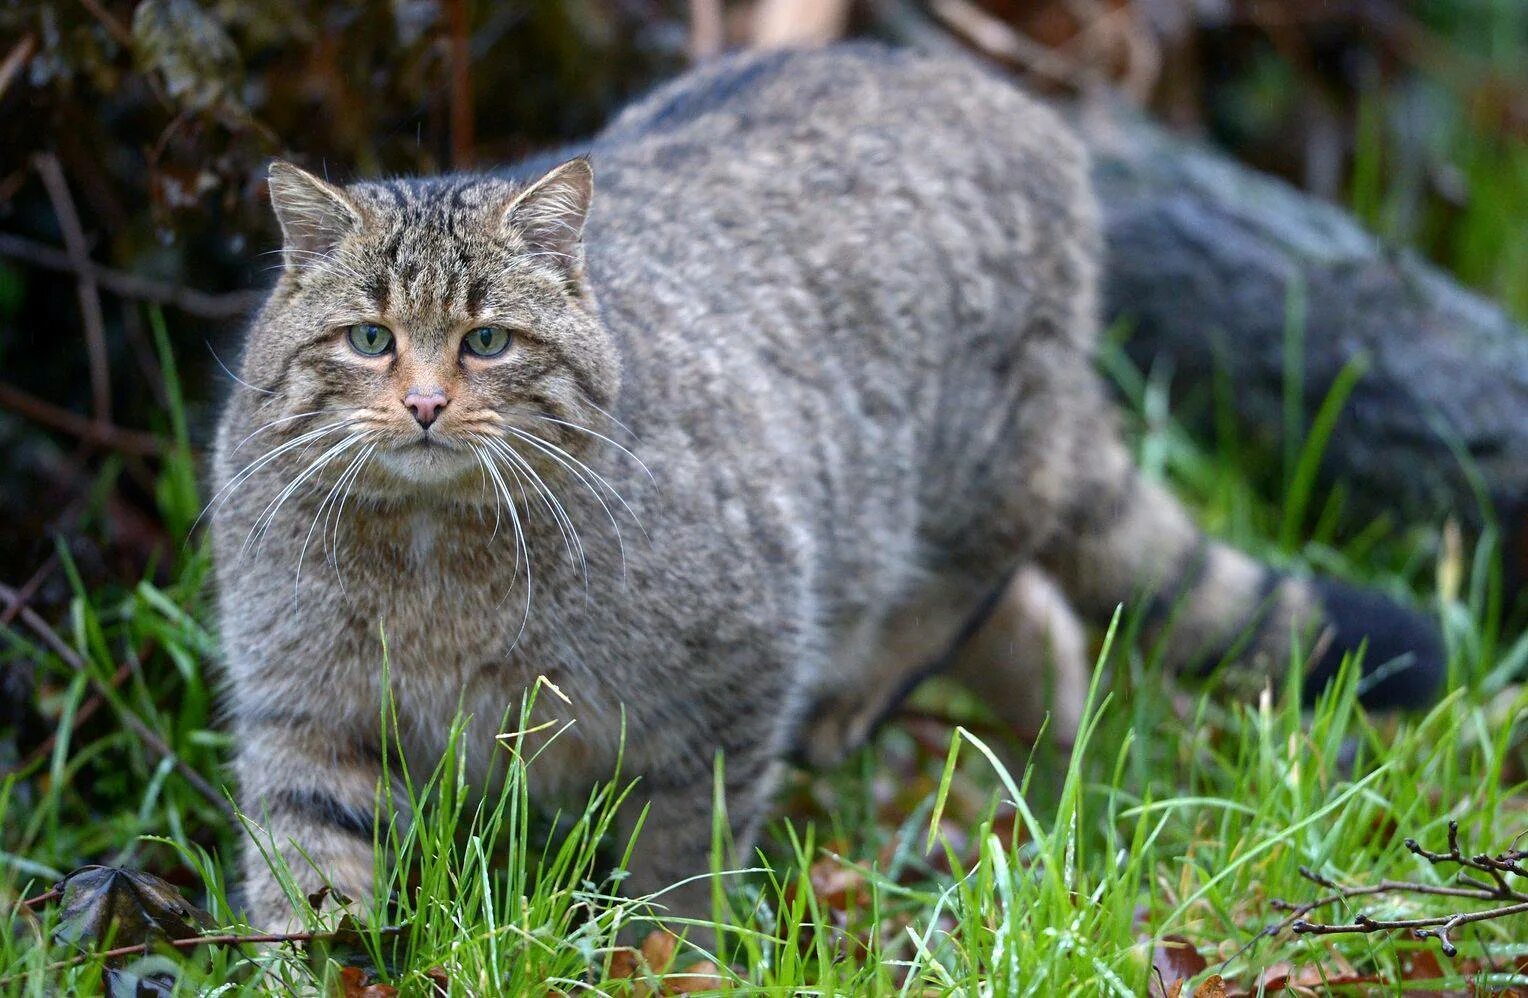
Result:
[440,328]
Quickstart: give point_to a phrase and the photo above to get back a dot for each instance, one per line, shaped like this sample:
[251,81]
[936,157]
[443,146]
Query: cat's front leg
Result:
[672,857]
[310,789]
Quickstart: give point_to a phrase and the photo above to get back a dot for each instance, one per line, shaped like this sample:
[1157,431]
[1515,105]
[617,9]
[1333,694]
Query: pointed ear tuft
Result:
[314,215]
[549,214]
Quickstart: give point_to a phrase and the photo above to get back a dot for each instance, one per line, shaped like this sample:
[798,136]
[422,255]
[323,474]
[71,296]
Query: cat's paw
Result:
[1404,660]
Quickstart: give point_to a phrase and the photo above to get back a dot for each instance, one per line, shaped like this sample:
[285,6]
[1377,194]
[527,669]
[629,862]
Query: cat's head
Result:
[435,324]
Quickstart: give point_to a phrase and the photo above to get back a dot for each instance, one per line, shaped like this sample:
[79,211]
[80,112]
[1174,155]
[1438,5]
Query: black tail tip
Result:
[1404,660]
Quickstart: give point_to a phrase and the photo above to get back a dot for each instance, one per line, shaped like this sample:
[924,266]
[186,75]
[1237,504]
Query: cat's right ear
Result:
[314,215]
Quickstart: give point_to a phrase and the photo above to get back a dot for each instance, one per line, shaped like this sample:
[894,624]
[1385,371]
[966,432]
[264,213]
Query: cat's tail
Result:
[1126,539]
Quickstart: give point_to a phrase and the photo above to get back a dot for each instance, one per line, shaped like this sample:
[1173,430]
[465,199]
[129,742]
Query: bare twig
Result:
[29,589]
[191,942]
[95,431]
[114,27]
[188,300]
[708,29]
[787,23]
[43,898]
[89,294]
[1439,927]
[998,40]
[146,734]
[15,59]
[460,65]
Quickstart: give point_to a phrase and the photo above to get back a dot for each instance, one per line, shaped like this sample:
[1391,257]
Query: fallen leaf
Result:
[353,984]
[658,950]
[125,907]
[837,886]
[701,976]
[1213,987]
[623,963]
[1174,960]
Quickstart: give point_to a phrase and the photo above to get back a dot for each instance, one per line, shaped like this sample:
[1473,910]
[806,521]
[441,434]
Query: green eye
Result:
[487,341]
[370,339]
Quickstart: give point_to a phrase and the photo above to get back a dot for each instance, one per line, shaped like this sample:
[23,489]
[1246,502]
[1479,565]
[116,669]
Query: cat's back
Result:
[896,180]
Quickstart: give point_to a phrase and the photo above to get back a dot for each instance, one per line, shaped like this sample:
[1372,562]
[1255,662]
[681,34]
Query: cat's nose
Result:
[425,405]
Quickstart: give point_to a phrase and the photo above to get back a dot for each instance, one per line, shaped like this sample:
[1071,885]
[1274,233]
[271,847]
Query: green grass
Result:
[942,860]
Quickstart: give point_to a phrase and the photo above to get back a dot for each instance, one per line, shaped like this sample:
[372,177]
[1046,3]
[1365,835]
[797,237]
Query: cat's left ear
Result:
[314,215]
[549,214]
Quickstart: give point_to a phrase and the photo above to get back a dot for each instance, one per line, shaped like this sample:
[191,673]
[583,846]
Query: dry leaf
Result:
[702,976]
[623,963]
[658,950]
[1213,987]
[128,907]
[838,887]
[353,985]
[1174,960]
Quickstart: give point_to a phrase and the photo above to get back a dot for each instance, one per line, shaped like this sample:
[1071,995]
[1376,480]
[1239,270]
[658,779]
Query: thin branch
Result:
[114,27]
[708,30]
[1439,927]
[43,898]
[72,658]
[191,942]
[29,588]
[96,431]
[192,302]
[998,40]
[85,283]
[460,66]
[15,59]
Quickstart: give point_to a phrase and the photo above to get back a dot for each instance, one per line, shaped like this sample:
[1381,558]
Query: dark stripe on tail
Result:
[320,808]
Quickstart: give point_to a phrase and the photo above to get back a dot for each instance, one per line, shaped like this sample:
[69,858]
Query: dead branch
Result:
[192,942]
[89,294]
[460,65]
[1498,867]
[188,300]
[791,23]
[95,431]
[61,648]
[708,29]
[15,59]
[996,39]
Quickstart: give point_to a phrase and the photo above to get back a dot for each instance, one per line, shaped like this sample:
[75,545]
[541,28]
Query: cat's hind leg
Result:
[1028,658]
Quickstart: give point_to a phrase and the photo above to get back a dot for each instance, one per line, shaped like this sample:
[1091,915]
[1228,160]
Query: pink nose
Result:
[425,406]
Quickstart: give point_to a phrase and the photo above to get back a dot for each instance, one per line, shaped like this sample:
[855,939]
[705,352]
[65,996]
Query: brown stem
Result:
[42,899]
[93,430]
[224,939]
[15,60]
[85,283]
[1421,927]
[198,303]
[460,64]
[146,734]
[1438,926]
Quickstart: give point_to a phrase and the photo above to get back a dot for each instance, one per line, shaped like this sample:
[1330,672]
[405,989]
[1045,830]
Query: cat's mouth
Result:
[427,459]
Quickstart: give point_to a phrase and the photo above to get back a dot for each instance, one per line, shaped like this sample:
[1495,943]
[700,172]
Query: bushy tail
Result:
[1126,539]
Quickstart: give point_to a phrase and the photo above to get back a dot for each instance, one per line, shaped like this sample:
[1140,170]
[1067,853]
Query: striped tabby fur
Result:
[804,410]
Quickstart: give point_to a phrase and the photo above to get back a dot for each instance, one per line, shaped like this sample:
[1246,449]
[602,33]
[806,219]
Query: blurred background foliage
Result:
[153,124]
[135,235]
[134,139]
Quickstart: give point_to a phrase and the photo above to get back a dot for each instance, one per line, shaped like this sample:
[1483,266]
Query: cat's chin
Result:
[434,464]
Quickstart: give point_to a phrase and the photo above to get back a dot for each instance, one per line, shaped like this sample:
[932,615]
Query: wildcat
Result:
[798,405]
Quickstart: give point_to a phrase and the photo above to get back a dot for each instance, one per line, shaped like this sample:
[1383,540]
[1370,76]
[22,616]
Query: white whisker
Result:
[573,465]
[600,436]
[559,514]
